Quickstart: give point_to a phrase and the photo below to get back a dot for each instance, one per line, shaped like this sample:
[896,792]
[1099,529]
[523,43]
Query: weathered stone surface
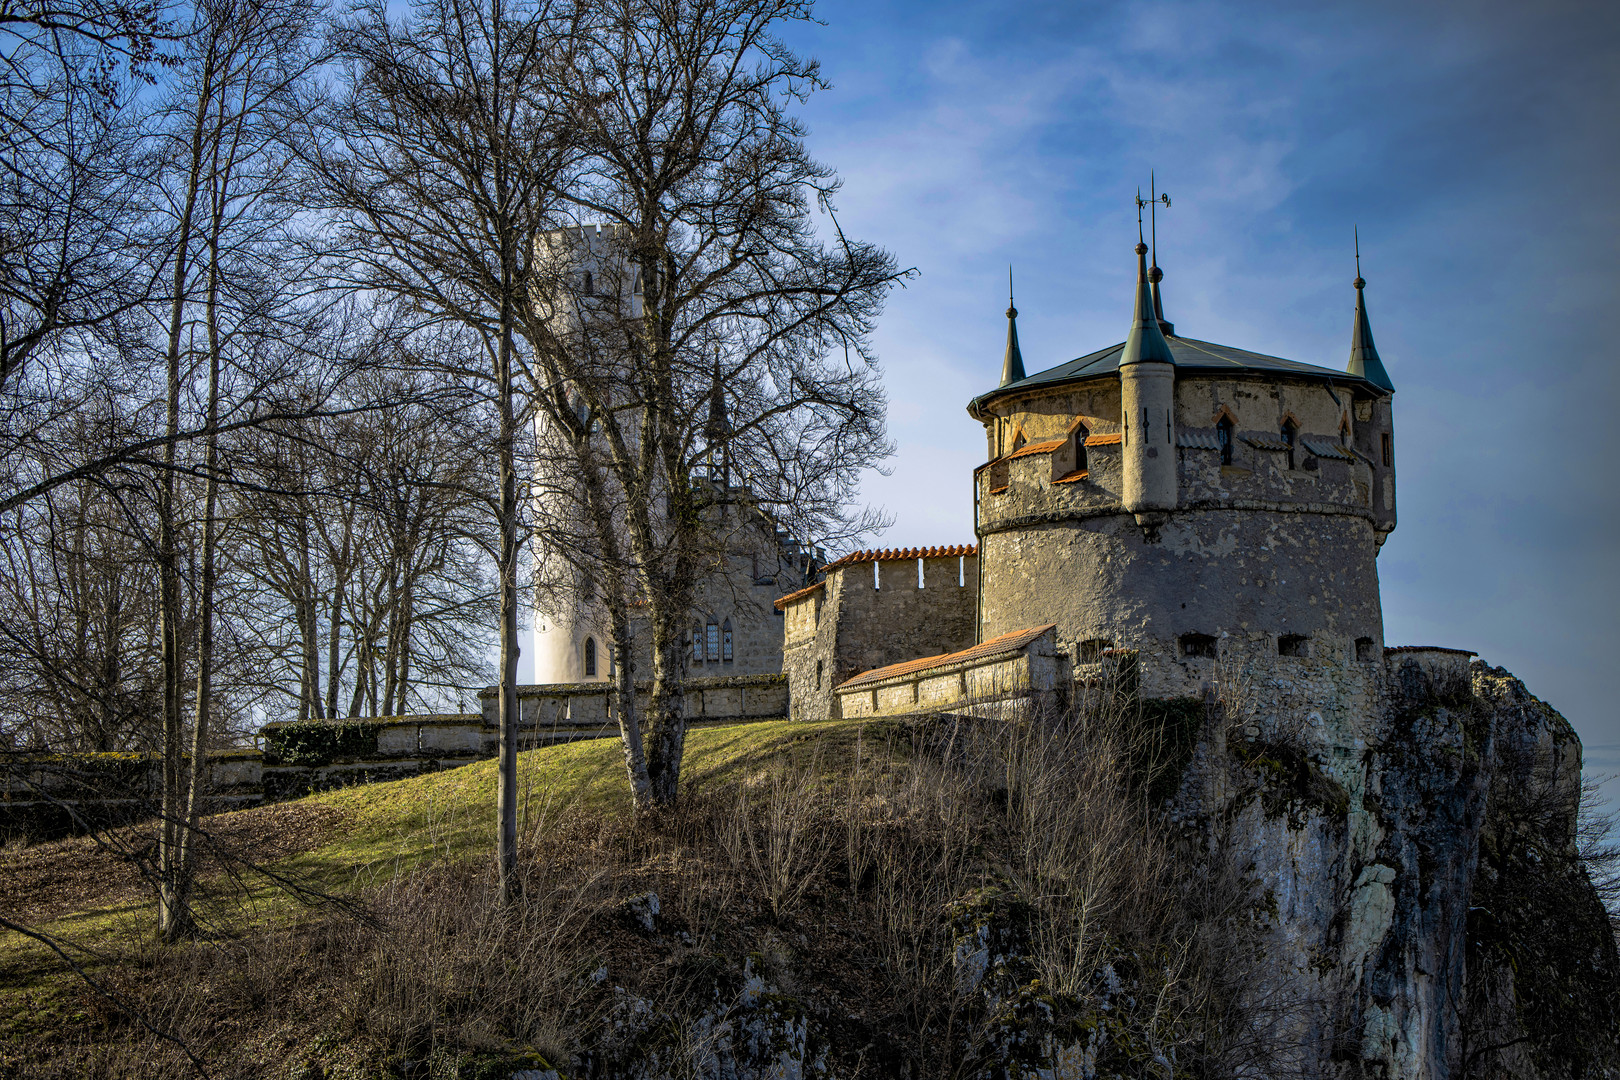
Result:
[863,618]
[1425,912]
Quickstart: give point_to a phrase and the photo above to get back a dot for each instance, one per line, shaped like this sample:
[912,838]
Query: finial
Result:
[1012,363]
[1154,274]
[1360,284]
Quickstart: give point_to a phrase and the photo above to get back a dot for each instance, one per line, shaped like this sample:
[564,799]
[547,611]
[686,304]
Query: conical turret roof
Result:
[1146,343]
[1012,364]
[718,426]
[1364,361]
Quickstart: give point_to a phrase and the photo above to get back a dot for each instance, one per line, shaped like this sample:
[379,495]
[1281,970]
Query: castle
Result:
[735,630]
[1183,500]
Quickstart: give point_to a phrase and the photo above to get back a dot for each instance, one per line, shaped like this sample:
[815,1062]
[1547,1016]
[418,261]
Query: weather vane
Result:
[1154,199]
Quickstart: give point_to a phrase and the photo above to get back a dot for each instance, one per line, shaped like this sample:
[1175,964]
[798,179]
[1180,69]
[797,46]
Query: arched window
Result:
[711,643]
[697,644]
[590,284]
[1290,435]
[590,658]
[725,641]
[1223,435]
[1344,432]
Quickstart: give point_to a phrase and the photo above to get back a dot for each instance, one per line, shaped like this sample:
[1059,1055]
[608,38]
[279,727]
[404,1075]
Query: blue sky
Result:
[1475,146]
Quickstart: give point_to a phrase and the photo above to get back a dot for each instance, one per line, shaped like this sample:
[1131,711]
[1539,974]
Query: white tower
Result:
[572,637]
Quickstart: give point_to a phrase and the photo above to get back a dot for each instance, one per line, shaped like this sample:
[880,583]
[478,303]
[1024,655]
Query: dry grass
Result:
[827,860]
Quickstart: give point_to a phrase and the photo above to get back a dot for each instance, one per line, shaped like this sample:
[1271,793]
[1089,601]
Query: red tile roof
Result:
[1037,448]
[1105,440]
[996,646]
[784,601]
[1071,477]
[889,554]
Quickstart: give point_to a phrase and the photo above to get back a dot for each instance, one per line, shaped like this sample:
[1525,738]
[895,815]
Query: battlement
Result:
[920,599]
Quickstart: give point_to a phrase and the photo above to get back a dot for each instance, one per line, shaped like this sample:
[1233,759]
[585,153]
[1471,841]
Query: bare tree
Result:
[708,277]
[441,160]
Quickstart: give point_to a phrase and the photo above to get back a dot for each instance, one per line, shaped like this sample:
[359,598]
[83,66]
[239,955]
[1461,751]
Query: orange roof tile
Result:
[1037,448]
[1105,440]
[996,646]
[1071,477]
[784,601]
[889,554]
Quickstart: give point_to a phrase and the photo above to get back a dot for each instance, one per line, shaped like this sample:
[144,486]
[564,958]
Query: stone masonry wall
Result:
[857,622]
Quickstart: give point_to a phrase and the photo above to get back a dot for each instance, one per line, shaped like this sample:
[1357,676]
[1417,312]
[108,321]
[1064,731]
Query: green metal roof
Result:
[1189,355]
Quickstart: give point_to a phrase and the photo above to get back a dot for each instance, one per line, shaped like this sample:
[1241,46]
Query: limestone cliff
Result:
[1427,915]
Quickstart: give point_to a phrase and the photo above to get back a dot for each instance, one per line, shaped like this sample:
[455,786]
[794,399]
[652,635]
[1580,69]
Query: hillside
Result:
[1076,896]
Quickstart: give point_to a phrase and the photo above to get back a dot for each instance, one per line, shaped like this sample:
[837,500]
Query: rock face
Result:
[1410,903]
[1427,915]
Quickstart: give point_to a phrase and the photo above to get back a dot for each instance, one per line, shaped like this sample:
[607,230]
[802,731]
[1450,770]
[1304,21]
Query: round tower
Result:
[1186,500]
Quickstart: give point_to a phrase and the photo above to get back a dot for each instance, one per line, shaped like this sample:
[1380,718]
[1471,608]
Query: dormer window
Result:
[1290,435]
[1070,459]
[1223,436]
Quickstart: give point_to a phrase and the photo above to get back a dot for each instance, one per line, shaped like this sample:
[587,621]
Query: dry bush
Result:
[783,838]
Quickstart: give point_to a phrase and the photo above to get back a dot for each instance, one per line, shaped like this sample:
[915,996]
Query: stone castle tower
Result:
[735,630]
[1170,496]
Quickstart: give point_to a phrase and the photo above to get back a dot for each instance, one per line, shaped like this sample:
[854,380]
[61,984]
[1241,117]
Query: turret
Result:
[1147,378]
[1375,419]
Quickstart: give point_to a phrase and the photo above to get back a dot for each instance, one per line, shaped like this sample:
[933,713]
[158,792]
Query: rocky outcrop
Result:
[1425,912]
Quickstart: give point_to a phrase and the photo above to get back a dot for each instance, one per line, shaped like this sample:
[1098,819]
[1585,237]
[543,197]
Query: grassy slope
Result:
[396,826]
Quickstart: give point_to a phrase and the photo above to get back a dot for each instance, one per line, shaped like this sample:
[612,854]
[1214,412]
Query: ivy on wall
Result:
[313,743]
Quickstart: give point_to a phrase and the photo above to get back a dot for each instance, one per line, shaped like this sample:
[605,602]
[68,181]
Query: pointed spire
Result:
[1146,345]
[1364,359]
[716,431]
[1155,275]
[718,426]
[1012,365]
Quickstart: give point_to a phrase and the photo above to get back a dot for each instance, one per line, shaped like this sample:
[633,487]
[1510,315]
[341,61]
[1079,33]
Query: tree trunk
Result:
[173,918]
[666,735]
[205,602]
[635,750]
[506,789]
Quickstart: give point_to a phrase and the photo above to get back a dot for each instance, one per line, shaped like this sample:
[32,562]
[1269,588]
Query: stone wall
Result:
[1005,678]
[50,795]
[872,609]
